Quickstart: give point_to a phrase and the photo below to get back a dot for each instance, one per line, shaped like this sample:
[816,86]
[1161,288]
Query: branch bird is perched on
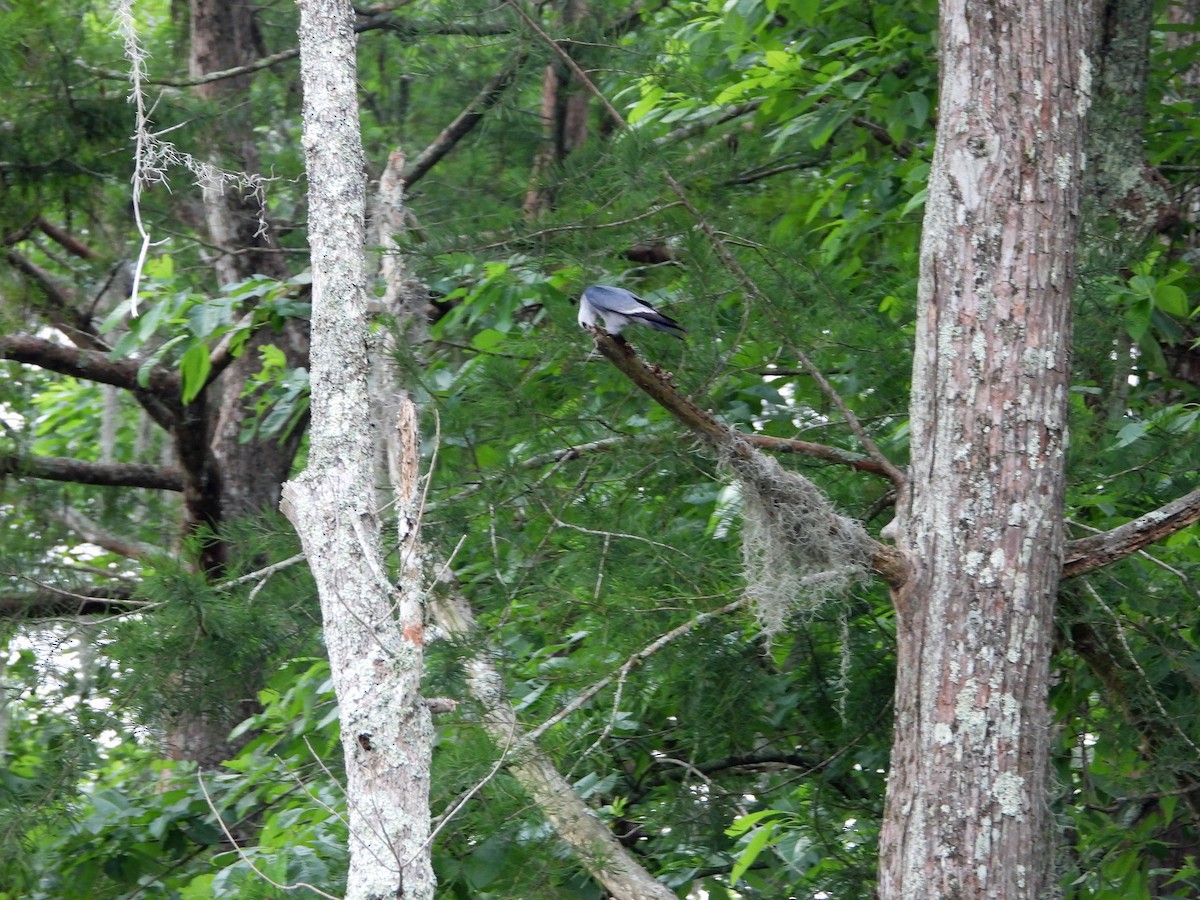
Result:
[617,307]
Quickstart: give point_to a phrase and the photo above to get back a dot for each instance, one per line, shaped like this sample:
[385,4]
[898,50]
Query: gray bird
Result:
[617,307]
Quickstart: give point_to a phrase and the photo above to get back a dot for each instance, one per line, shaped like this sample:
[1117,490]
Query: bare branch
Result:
[1093,552]
[466,120]
[65,239]
[77,471]
[91,532]
[820,451]
[395,24]
[582,698]
[48,602]
[90,365]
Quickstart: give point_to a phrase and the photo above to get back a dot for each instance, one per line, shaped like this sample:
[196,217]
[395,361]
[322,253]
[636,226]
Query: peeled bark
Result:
[373,632]
[967,811]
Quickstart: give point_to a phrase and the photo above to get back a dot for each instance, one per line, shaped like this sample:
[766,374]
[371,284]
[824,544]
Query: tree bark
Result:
[967,811]
[372,632]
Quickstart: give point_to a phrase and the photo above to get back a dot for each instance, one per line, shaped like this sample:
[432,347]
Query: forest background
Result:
[759,171]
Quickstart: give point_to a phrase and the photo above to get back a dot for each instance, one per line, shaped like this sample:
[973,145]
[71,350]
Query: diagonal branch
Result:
[575,68]
[886,561]
[91,532]
[1097,550]
[488,96]
[63,311]
[65,239]
[596,847]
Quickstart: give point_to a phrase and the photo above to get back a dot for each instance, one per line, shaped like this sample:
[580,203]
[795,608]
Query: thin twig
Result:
[622,670]
[245,858]
[897,477]
[262,574]
[1137,665]
[616,117]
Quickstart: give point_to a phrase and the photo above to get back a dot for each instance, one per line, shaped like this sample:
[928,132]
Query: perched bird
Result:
[617,307]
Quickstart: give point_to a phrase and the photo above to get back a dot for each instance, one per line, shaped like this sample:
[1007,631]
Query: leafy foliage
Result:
[579,522]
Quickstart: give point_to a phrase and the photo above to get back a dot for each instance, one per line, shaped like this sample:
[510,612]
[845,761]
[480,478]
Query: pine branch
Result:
[617,119]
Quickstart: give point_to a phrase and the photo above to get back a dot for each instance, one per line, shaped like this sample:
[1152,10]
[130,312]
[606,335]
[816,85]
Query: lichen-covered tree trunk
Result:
[372,630]
[967,811]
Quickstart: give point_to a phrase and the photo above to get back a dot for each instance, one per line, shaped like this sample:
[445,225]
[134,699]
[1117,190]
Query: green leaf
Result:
[650,98]
[194,368]
[161,267]
[1130,433]
[1137,318]
[1171,299]
[917,112]
[757,843]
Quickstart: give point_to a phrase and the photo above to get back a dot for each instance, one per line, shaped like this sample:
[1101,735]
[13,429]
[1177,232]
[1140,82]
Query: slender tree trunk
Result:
[373,632]
[564,119]
[967,811]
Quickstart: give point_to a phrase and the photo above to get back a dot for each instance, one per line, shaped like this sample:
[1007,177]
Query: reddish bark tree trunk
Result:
[226,478]
[967,811]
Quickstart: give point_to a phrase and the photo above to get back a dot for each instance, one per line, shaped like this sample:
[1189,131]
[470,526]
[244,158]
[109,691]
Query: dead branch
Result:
[886,561]
[489,95]
[596,846]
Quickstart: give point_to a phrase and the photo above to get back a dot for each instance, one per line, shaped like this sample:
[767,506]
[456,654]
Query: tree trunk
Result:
[967,811]
[228,478]
[564,113]
[372,632]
